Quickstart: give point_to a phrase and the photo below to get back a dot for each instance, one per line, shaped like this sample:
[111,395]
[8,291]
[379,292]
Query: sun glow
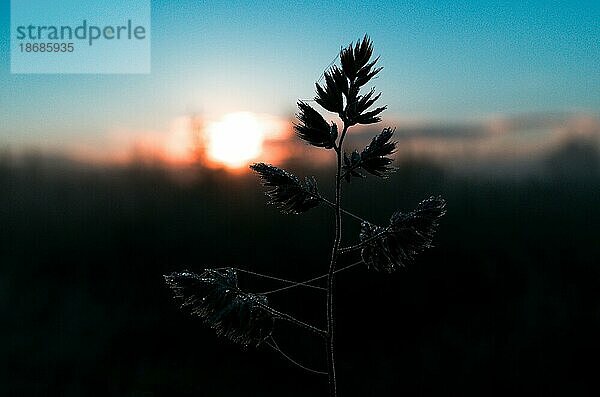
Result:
[236,139]
[232,141]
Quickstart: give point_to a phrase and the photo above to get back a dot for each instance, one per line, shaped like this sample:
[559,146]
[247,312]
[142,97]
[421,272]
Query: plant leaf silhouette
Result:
[289,194]
[371,117]
[356,109]
[313,128]
[359,71]
[364,102]
[407,235]
[340,79]
[373,159]
[355,57]
[214,296]
[330,97]
[366,73]
[351,164]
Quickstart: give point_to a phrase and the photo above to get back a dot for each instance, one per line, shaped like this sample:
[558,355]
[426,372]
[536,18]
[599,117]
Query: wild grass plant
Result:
[248,318]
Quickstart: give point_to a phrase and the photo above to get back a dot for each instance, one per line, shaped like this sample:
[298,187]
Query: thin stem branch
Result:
[332,205]
[311,280]
[293,320]
[272,344]
[283,280]
[331,274]
[363,243]
[349,170]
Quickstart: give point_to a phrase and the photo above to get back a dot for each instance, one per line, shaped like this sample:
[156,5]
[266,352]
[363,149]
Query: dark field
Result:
[507,303]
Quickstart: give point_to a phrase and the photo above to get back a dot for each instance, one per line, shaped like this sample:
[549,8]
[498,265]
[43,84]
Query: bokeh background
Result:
[109,181]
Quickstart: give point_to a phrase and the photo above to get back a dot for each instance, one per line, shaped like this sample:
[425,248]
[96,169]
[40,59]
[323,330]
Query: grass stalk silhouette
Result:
[247,317]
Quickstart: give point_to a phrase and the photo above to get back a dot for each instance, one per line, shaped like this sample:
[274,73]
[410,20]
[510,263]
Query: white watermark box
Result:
[80,36]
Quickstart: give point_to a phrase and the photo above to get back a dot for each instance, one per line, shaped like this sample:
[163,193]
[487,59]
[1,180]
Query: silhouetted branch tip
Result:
[288,193]
[407,235]
[373,159]
[330,96]
[313,128]
[214,297]
[356,56]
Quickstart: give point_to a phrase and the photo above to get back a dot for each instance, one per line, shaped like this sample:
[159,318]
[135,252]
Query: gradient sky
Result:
[444,61]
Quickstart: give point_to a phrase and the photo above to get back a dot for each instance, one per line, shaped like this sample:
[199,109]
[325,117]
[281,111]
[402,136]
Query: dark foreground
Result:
[507,303]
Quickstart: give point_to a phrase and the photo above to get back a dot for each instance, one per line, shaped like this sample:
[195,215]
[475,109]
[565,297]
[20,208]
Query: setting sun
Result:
[236,139]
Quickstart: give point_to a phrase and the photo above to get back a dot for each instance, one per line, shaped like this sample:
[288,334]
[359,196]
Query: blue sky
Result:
[443,61]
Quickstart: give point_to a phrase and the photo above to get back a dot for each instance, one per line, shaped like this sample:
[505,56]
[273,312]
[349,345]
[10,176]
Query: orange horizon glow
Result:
[232,142]
[237,139]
